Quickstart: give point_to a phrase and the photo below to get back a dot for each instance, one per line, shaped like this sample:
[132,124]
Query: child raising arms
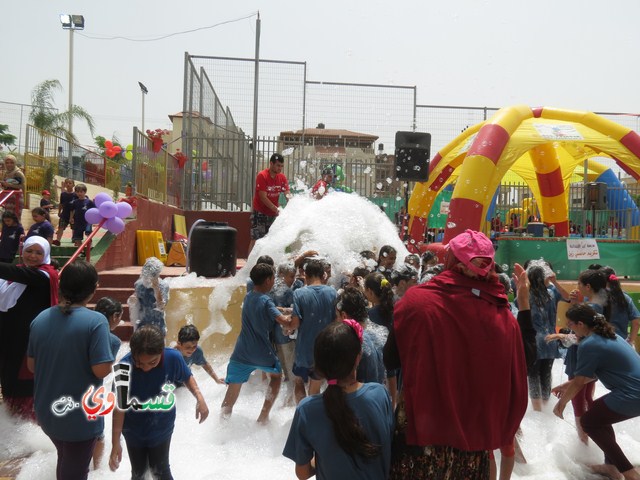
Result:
[346,431]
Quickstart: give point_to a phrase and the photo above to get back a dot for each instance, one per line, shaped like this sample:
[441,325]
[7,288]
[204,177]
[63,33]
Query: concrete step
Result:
[120,294]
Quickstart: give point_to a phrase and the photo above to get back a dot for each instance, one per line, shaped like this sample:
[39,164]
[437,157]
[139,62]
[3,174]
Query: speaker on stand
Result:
[412,156]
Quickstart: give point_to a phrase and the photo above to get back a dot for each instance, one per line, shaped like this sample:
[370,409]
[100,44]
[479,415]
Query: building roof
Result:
[193,114]
[329,132]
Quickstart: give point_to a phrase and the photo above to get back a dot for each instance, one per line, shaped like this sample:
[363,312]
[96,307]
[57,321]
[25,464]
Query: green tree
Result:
[5,137]
[45,116]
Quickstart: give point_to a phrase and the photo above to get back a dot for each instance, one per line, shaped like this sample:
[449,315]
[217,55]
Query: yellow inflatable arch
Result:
[543,145]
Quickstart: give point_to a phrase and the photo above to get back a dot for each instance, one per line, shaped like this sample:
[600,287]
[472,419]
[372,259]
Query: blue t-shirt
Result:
[315,306]
[197,358]
[148,313]
[371,366]
[65,204]
[621,317]
[282,296]
[312,433]
[41,229]
[253,346]
[617,365]
[376,316]
[10,241]
[149,428]
[544,321]
[571,357]
[115,343]
[79,208]
[65,347]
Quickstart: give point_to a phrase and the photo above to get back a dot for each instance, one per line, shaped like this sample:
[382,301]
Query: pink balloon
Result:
[101,198]
[124,209]
[93,216]
[108,209]
[115,225]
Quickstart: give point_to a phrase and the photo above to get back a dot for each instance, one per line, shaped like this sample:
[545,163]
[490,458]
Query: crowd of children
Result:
[332,343]
[73,205]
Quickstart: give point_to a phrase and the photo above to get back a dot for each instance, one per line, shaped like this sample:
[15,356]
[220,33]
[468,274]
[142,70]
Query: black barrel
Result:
[212,249]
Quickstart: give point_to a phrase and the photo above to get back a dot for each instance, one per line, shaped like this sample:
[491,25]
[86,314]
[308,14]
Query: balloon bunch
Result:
[108,214]
[127,152]
[111,150]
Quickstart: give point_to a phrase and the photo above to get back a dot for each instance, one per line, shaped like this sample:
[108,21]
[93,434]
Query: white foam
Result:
[240,449]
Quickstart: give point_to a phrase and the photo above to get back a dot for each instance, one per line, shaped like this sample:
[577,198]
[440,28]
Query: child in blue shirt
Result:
[64,209]
[192,353]
[79,207]
[348,429]
[253,349]
[10,240]
[42,227]
[313,309]
[154,370]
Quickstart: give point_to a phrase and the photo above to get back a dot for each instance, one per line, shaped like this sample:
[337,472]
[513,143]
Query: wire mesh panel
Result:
[16,117]
[379,110]
[280,91]
[446,123]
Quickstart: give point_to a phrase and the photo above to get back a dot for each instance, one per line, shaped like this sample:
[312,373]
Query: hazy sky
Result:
[576,54]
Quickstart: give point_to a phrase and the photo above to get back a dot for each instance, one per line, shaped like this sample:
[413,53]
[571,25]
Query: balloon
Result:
[129,147]
[117,149]
[101,198]
[205,165]
[93,216]
[128,155]
[124,209]
[108,209]
[115,225]
[108,144]
[109,152]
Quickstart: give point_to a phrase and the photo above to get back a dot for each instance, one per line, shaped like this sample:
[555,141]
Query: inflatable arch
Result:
[543,145]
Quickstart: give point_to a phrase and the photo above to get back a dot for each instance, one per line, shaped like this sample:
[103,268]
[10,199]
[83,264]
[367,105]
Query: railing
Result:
[10,200]
[47,155]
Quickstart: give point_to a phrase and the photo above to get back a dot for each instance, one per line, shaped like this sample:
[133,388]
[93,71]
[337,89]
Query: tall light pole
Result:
[144,91]
[71,23]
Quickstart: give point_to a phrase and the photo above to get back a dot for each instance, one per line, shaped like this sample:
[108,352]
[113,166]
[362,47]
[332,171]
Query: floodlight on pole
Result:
[144,91]
[71,23]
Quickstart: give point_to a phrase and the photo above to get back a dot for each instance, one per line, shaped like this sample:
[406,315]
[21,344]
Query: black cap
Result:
[276,157]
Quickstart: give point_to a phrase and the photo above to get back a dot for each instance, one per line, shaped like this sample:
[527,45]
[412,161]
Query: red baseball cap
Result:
[46,192]
[471,244]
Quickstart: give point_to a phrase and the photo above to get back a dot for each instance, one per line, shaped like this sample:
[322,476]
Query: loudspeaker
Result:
[412,156]
[595,196]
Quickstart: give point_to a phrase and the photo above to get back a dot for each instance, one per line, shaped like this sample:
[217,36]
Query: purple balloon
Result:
[124,209]
[101,198]
[93,216]
[115,225]
[108,209]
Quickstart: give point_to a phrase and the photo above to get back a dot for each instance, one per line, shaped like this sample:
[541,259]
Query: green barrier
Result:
[622,256]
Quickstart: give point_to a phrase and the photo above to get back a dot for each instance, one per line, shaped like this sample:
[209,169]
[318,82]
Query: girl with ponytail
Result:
[603,355]
[346,431]
[623,310]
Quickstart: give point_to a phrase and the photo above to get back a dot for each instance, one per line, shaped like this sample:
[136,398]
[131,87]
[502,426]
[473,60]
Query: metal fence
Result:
[16,117]
[46,155]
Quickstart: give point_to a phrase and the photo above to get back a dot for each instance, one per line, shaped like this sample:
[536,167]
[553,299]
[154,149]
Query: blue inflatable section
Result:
[619,202]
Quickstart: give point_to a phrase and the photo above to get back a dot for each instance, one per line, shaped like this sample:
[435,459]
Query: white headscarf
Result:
[10,291]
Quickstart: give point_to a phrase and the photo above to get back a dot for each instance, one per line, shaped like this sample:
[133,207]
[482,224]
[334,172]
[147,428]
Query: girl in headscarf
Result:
[25,291]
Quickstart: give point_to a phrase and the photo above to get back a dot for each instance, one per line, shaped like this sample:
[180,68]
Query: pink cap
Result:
[469,245]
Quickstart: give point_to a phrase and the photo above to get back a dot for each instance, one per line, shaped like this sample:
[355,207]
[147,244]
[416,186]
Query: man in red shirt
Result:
[269,184]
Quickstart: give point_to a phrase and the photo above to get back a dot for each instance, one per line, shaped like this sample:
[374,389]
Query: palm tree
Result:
[45,116]
[5,137]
